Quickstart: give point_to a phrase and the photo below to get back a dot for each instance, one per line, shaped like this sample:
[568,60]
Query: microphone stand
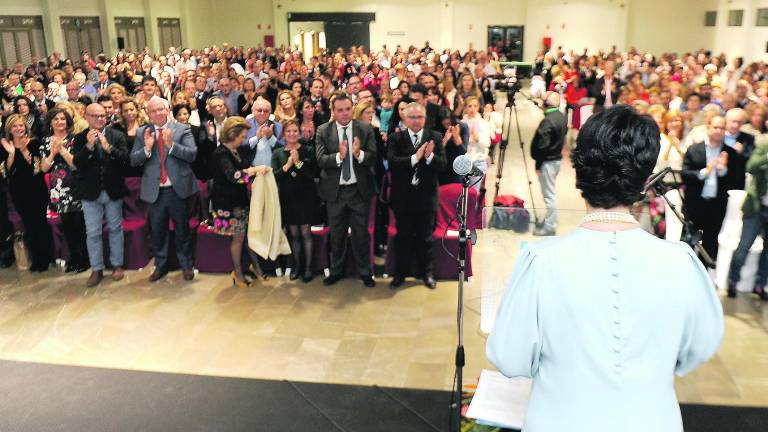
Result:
[461,257]
[690,234]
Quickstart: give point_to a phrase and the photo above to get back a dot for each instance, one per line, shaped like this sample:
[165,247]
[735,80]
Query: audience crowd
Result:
[711,114]
[325,138]
[267,135]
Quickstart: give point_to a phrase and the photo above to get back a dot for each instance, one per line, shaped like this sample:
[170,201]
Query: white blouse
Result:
[601,321]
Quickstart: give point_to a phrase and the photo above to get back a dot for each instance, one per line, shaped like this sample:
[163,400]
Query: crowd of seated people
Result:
[266,114]
[265,134]
[711,114]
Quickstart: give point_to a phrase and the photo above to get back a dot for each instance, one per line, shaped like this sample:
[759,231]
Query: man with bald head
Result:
[546,151]
[99,155]
[166,150]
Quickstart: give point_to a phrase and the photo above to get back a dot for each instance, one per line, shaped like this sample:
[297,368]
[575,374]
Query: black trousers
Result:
[6,230]
[37,232]
[73,226]
[414,243]
[170,206]
[707,215]
[350,211]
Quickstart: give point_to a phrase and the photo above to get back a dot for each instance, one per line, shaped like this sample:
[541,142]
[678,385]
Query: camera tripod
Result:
[510,111]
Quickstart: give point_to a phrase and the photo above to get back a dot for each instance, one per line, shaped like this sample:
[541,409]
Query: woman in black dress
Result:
[20,164]
[294,166]
[58,160]
[229,195]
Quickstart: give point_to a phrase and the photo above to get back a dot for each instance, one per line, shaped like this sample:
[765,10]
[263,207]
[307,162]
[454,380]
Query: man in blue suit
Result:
[166,150]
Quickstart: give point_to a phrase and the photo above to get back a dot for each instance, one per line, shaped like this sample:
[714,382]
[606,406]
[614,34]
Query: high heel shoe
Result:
[260,275]
[238,282]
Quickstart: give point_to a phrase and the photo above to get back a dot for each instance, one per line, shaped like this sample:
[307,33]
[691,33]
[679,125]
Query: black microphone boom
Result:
[656,178]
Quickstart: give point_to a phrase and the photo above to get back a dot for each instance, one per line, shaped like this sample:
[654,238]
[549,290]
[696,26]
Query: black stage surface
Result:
[42,397]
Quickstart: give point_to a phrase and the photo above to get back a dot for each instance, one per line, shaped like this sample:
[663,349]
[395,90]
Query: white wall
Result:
[446,23]
[649,25]
[748,40]
[660,26]
[575,24]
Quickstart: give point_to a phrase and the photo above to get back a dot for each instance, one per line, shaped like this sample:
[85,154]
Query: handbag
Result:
[509,213]
[20,252]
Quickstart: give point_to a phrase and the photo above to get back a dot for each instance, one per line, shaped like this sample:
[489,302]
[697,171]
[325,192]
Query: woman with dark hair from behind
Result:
[631,335]
[57,159]
[20,165]
[23,106]
[454,134]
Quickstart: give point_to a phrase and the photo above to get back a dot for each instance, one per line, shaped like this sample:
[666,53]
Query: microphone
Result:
[463,166]
[656,178]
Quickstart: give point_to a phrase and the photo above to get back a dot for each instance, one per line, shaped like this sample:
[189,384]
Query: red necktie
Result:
[161,149]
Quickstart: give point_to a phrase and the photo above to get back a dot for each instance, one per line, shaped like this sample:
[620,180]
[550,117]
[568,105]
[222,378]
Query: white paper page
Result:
[500,401]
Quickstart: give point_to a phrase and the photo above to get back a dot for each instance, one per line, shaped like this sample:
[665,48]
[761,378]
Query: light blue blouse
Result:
[601,321]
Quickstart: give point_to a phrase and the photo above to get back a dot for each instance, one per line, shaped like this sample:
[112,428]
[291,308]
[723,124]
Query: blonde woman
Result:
[479,137]
[286,106]
[229,195]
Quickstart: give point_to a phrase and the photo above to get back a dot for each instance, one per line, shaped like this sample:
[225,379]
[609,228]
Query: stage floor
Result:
[345,334]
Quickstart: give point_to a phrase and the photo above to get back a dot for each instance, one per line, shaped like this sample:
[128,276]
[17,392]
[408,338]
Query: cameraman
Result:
[546,150]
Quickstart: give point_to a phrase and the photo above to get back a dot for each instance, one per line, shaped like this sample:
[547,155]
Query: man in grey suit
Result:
[346,155]
[166,150]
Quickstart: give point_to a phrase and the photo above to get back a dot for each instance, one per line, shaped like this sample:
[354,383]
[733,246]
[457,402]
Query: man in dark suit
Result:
[43,103]
[710,170]
[606,89]
[201,97]
[546,150]
[166,150]
[99,154]
[419,95]
[346,155]
[416,157]
[742,142]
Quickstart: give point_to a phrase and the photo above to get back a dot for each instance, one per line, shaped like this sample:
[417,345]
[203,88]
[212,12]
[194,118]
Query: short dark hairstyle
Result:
[180,107]
[694,94]
[53,112]
[616,151]
[342,97]
[419,88]
[147,79]
[103,98]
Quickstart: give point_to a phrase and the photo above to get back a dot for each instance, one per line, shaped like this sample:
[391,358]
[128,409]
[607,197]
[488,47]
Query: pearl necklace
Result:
[609,217]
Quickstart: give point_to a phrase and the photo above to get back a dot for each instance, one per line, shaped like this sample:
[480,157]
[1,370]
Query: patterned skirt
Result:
[226,222]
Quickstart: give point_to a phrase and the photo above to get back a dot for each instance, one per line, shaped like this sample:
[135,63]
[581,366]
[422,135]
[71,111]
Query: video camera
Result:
[508,81]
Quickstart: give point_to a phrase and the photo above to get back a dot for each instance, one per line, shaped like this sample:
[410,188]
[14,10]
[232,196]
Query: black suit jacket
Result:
[98,170]
[597,91]
[404,194]
[200,100]
[433,111]
[695,160]
[326,148]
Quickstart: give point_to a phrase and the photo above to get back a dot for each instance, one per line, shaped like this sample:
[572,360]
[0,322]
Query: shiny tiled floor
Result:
[344,334]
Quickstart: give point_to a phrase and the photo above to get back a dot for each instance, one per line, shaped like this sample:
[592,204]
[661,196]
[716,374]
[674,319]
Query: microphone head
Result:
[462,165]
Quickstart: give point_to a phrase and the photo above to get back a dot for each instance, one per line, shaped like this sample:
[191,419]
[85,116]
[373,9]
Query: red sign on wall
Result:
[269,41]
